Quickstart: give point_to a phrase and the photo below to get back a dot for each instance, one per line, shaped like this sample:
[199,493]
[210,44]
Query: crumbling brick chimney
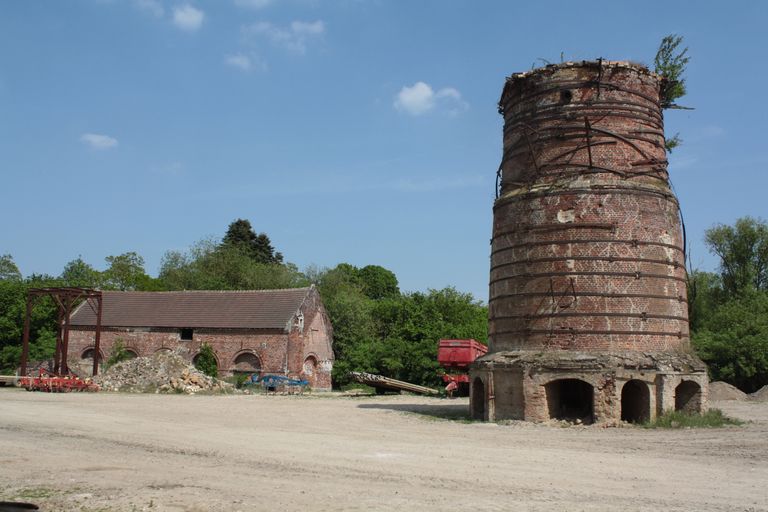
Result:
[588,306]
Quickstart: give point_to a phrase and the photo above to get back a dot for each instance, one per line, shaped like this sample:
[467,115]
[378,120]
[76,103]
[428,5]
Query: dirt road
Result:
[197,453]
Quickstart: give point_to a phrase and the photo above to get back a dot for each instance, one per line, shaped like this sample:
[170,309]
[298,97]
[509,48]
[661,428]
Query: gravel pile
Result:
[761,395]
[720,390]
[165,372]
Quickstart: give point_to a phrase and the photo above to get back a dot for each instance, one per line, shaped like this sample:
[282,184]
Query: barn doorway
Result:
[570,400]
[478,400]
[688,397]
[635,402]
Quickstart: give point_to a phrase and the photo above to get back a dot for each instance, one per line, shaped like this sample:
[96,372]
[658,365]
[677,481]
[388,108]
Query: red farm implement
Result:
[456,356]
[52,383]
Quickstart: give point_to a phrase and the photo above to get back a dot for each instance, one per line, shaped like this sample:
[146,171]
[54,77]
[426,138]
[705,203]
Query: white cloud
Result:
[420,98]
[253,4]
[98,141]
[293,38]
[174,168]
[153,7]
[187,17]
[245,62]
[239,61]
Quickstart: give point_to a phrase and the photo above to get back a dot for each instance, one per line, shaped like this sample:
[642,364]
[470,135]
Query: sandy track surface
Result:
[198,453]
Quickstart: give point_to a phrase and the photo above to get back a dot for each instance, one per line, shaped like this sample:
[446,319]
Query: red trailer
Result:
[455,356]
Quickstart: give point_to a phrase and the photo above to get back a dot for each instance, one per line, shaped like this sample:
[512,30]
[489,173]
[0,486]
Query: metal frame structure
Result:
[66,298]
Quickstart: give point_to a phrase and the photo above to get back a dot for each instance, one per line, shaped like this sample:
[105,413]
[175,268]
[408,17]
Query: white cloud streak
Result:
[187,17]
[245,62]
[153,7]
[294,38]
[252,4]
[239,61]
[420,98]
[98,141]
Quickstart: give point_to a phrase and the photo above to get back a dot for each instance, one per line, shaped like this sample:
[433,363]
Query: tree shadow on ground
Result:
[454,412]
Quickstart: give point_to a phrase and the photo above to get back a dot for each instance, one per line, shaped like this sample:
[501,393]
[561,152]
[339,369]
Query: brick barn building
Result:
[279,332]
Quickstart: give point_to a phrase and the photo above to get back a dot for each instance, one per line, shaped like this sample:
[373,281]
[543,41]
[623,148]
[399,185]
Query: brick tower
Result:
[588,306]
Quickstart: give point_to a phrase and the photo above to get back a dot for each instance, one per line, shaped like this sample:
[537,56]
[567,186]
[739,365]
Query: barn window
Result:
[186,334]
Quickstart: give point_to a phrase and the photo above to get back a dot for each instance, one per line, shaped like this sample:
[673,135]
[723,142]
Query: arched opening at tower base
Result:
[688,397]
[570,400]
[635,402]
[478,400]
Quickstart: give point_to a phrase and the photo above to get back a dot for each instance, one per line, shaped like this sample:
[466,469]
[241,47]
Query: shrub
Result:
[206,361]
[118,354]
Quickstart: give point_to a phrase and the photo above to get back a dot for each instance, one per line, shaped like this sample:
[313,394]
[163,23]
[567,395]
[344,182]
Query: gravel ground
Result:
[129,452]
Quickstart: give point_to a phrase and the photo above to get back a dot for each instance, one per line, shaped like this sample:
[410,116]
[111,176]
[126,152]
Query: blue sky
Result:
[349,131]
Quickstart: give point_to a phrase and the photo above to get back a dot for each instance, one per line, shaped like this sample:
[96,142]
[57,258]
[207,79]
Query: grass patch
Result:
[35,493]
[356,387]
[713,418]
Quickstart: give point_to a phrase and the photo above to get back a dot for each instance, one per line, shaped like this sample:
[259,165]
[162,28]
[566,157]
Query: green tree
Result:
[671,63]
[211,266]
[379,330]
[743,253]
[241,235]
[704,295]
[734,341]
[205,361]
[8,269]
[125,272]
[350,311]
[378,282]
[80,274]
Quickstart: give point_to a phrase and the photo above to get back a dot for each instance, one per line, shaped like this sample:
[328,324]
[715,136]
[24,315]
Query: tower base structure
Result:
[585,387]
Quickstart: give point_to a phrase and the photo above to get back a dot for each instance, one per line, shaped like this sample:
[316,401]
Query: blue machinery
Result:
[272,382]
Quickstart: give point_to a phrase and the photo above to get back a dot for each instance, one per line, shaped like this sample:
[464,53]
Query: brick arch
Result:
[247,361]
[309,368]
[163,350]
[87,353]
[688,396]
[635,401]
[133,351]
[571,399]
[313,362]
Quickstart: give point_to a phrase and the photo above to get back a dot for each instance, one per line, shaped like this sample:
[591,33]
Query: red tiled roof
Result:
[253,309]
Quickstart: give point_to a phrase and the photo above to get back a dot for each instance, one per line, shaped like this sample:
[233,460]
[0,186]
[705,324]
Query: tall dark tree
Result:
[378,282]
[241,235]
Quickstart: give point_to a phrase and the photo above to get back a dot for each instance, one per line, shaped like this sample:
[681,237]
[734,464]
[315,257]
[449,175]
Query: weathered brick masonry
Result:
[588,307]
[283,332]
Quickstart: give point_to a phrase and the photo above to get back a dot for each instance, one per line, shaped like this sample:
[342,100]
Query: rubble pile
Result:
[165,372]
